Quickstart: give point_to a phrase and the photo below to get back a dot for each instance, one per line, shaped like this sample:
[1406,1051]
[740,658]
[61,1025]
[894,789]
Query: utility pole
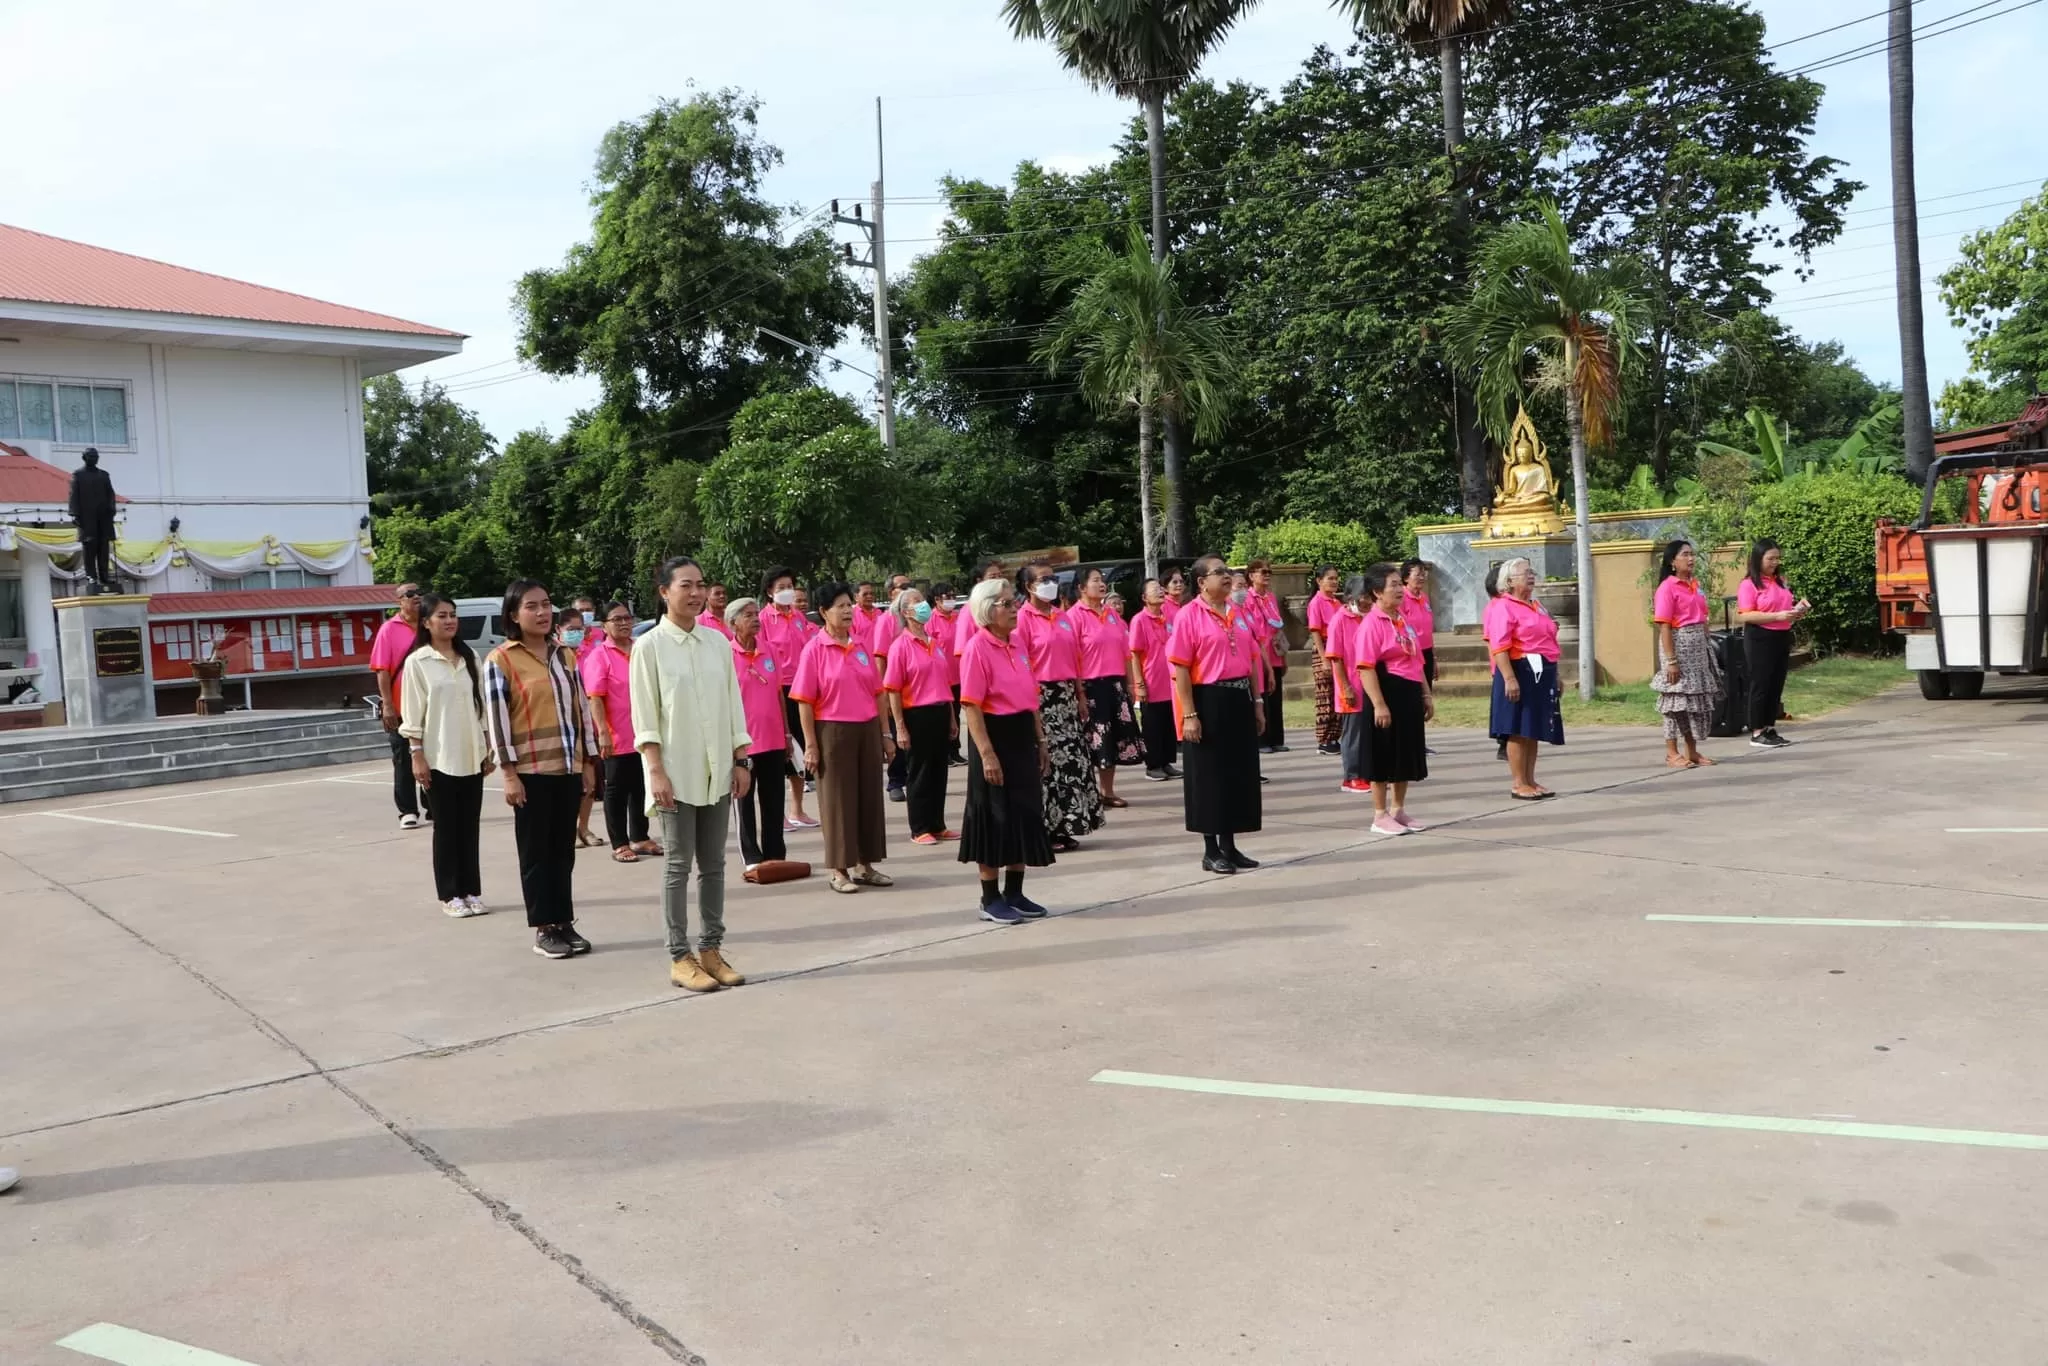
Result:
[1919,422]
[876,261]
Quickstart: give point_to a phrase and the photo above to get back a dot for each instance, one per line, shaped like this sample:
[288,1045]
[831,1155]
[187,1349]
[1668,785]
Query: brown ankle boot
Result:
[715,964]
[687,973]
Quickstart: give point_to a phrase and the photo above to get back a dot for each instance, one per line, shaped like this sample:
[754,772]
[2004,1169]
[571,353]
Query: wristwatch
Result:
[745,761]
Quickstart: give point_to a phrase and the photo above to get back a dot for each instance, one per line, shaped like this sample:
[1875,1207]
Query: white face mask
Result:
[1045,590]
[785,597]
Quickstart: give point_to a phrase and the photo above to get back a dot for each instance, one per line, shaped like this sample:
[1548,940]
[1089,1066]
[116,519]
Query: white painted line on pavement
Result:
[1852,924]
[178,792]
[1972,754]
[134,825]
[360,782]
[1997,830]
[127,1347]
[1831,1128]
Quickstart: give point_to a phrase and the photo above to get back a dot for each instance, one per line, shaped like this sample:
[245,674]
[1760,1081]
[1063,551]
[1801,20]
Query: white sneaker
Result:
[455,907]
[408,822]
[476,905]
[8,1176]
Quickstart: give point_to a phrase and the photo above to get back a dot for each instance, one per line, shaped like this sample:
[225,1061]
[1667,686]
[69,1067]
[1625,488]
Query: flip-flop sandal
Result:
[624,856]
[840,882]
[1704,762]
[1118,802]
[1676,762]
[926,838]
[650,850]
[1532,796]
[586,839]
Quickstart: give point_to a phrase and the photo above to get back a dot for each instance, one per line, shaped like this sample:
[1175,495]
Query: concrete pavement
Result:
[269,1103]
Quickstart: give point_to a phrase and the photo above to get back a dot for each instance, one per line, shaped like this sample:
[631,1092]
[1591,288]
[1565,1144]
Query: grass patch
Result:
[1835,682]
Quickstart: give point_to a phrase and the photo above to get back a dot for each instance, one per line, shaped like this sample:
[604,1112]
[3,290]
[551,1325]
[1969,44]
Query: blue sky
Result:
[416,158]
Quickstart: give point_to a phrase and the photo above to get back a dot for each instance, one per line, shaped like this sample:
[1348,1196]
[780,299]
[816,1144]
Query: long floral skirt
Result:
[1329,725]
[1113,736]
[1073,804]
[1688,705]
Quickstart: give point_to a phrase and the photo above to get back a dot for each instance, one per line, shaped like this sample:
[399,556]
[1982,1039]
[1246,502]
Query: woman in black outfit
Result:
[1767,608]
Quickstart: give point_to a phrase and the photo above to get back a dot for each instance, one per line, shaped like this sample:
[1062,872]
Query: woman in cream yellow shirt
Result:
[442,719]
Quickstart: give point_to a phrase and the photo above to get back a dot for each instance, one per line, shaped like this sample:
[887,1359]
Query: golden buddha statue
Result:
[1525,502]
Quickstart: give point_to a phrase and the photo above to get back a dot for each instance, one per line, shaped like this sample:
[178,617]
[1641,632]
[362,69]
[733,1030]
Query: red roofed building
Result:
[228,414]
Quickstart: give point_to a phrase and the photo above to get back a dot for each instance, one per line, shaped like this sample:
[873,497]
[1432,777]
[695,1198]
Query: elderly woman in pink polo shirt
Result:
[845,747]
[1073,804]
[917,680]
[1109,676]
[784,632]
[1687,681]
[1522,639]
[1008,757]
[1150,635]
[761,692]
[1385,664]
[607,680]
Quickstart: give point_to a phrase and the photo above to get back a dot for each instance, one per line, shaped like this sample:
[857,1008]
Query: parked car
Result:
[482,624]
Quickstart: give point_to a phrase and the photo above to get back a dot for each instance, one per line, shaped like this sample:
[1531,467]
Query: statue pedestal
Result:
[1551,556]
[104,642]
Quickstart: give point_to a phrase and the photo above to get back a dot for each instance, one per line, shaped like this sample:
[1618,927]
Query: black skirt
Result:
[1220,792]
[1395,753]
[1005,824]
[1114,740]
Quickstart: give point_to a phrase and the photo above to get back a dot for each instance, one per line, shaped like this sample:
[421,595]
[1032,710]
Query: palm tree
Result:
[1142,349]
[1533,300]
[1143,50]
[1449,26]
[1919,420]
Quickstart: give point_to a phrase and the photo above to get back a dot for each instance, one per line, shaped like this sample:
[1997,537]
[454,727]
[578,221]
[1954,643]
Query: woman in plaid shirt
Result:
[544,739]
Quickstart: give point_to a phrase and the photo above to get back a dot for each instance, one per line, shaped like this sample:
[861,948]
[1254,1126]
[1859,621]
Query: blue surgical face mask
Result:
[923,612]
[572,637]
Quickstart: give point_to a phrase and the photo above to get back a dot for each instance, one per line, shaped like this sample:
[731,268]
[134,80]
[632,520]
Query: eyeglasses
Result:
[618,621]
[409,593]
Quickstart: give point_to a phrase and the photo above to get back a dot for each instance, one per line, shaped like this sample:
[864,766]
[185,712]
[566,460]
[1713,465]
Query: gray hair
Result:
[981,603]
[1510,568]
[900,605]
[737,606]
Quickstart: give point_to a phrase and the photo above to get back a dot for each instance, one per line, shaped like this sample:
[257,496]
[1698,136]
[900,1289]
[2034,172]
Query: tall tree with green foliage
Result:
[1138,348]
[1538,314]
[1147,51]
[806,482]
[425,450]
[1906,247]
[1998,290]
[1445,27]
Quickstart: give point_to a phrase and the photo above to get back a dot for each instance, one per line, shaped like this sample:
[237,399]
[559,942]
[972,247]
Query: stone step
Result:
[217,761]
[24,762]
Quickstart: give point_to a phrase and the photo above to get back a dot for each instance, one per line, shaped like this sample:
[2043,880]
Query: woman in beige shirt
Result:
[442,720]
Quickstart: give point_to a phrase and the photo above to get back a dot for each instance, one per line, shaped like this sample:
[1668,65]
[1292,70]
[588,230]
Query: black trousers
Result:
[953,745]
[96,557]
[405,793]
[545,830]
[1767,654]
[1162,746]
[1275,734]
[625,800]
[458,815]
[929,756]
[761,810]
[899,768]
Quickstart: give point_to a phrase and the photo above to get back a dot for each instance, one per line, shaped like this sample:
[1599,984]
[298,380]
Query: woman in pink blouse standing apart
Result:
[1766,608]
[1522,639]
[1073,804]
[1386,665]
[1109,676]
[1151,636]
[1322,605]
[917,680]
[1687,681]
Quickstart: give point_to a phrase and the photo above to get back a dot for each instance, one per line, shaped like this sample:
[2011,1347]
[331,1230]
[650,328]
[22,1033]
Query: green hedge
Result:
[1828,526]
[1347,545]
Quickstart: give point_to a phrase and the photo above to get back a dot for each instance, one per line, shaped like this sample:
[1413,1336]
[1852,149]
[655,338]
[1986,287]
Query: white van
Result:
[482,624]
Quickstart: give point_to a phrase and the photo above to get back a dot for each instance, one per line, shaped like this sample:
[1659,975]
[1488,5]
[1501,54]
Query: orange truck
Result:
[1969,597]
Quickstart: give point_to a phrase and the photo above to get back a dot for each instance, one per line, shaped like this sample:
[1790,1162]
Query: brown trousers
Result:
[851,804]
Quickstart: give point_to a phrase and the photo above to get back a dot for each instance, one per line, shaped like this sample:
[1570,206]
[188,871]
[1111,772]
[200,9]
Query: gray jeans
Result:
[694,832]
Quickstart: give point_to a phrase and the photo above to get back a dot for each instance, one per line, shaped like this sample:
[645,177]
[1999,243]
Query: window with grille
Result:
[70,412]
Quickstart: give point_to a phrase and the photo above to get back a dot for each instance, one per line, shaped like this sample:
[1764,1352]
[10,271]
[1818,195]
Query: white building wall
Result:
[235,444]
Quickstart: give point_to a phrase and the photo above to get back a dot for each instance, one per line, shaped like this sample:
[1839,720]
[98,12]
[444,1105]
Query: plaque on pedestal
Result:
[104,644]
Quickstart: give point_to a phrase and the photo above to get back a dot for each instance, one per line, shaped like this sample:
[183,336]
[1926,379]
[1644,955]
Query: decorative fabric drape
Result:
[219,559]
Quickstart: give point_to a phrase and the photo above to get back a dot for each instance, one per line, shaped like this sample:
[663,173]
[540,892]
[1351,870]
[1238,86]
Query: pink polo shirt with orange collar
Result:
[1052,643]
[917,671]
[1105,641]
[839,681]
[1380,639]
[761,697]
[1337,633]
[1151,638]
[995,675]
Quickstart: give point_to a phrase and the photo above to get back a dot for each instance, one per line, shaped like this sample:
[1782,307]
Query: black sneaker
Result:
[1172,772]
[1025,906]
[896,794]
[574,940]
[1768,739]
[1278,749]
[549,942]
[1155,775]
[1001,912]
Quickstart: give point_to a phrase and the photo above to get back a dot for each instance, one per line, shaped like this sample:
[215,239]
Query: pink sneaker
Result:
[1387,825]
[1409,821]
[805,822]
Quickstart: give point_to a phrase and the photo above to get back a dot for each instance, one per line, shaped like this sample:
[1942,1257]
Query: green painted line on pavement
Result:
[1828,1128]
[1853,924]
[127,1347]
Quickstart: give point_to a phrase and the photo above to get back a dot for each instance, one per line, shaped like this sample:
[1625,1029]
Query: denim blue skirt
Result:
[1536,714]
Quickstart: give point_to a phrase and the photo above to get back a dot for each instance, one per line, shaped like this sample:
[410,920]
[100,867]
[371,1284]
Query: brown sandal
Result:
[1115,802]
